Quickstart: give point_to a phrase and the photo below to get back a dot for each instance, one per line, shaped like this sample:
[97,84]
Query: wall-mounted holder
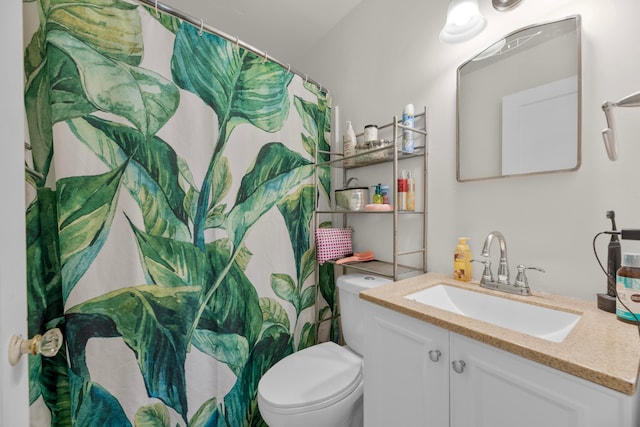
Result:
[608,135]
[46,345]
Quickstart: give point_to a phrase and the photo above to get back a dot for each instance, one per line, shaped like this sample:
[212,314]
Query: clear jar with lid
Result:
[370,133]
[628,288]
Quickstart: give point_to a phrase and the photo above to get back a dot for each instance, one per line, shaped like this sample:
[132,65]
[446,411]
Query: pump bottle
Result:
[349,147]
[462,261]
[377,197]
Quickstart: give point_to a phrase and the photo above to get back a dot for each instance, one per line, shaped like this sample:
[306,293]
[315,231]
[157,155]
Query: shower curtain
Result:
[169,221]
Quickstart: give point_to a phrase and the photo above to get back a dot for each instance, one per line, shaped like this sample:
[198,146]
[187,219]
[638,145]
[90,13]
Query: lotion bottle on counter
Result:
[462,261]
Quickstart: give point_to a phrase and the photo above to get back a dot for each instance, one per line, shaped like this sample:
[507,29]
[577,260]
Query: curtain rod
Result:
[199,23]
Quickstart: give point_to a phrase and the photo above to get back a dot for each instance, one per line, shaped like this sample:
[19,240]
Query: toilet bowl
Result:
[322,386]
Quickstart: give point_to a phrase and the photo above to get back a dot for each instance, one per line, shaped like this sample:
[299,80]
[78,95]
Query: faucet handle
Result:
[487,276]
[521,278]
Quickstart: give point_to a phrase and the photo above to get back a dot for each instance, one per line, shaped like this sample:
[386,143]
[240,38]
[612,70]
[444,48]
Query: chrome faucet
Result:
[521,284]
[503,267]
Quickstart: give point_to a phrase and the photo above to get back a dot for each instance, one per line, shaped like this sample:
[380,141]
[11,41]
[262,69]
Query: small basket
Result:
[333,243]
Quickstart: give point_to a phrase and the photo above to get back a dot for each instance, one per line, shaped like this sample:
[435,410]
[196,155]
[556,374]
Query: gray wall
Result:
[382,56]
[14,393]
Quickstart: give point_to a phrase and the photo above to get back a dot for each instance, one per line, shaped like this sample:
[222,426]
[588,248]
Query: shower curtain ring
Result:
[306,78]
[264,58]
[201,27]
[237,43]
[156,8]
[288,68]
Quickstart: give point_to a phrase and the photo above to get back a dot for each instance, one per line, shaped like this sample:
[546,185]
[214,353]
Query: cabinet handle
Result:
[434,355]
[458,366]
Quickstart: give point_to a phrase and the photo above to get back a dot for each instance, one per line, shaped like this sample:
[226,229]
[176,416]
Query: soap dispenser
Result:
[377,197]
[462,261]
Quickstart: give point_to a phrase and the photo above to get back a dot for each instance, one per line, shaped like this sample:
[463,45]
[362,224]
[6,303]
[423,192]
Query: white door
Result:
[14,393]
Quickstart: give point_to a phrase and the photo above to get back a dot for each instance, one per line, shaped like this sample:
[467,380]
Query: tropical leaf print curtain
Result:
[168,225]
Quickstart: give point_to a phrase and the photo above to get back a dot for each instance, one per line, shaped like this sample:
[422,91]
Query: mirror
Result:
[519,103]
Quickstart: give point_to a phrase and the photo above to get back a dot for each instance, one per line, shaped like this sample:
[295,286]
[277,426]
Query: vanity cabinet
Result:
[418,374]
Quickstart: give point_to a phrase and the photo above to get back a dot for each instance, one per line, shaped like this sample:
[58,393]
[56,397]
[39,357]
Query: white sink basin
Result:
[549,324]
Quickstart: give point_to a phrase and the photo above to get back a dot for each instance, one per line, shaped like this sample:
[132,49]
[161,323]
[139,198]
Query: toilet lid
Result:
[317,377]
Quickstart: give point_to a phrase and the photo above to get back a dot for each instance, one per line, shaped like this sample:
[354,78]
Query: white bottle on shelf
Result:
[403,188]
[349,144]
[410,204]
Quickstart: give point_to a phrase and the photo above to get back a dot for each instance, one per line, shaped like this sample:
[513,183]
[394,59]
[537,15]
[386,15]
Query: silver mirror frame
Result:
[578,24]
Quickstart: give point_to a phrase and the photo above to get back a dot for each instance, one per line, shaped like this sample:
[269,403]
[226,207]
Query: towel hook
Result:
[201,27]
[47,345]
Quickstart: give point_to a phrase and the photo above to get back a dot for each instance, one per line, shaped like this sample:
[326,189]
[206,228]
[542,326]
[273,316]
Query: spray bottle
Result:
[411,192]
[407,135]
[403,187]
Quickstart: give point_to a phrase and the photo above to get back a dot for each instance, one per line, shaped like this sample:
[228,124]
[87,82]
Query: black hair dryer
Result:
[607,302]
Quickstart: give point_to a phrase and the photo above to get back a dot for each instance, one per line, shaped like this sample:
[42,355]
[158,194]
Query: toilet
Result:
[322,385]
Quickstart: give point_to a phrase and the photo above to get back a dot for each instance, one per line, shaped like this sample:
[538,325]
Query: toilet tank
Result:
[351,306]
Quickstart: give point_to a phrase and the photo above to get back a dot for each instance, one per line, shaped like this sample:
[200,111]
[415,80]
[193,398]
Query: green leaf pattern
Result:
[138,244]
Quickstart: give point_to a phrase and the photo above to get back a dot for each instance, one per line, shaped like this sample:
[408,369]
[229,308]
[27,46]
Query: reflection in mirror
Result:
[519,104]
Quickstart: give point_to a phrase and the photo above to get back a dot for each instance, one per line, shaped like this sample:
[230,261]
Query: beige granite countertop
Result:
[600,348]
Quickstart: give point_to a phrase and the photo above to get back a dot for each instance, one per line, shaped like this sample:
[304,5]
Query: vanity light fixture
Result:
[463,21]
[505,5]
[608,135]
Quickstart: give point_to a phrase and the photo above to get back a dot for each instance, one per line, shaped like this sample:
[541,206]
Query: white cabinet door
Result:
[472,384]
[403,386]
[500,389]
